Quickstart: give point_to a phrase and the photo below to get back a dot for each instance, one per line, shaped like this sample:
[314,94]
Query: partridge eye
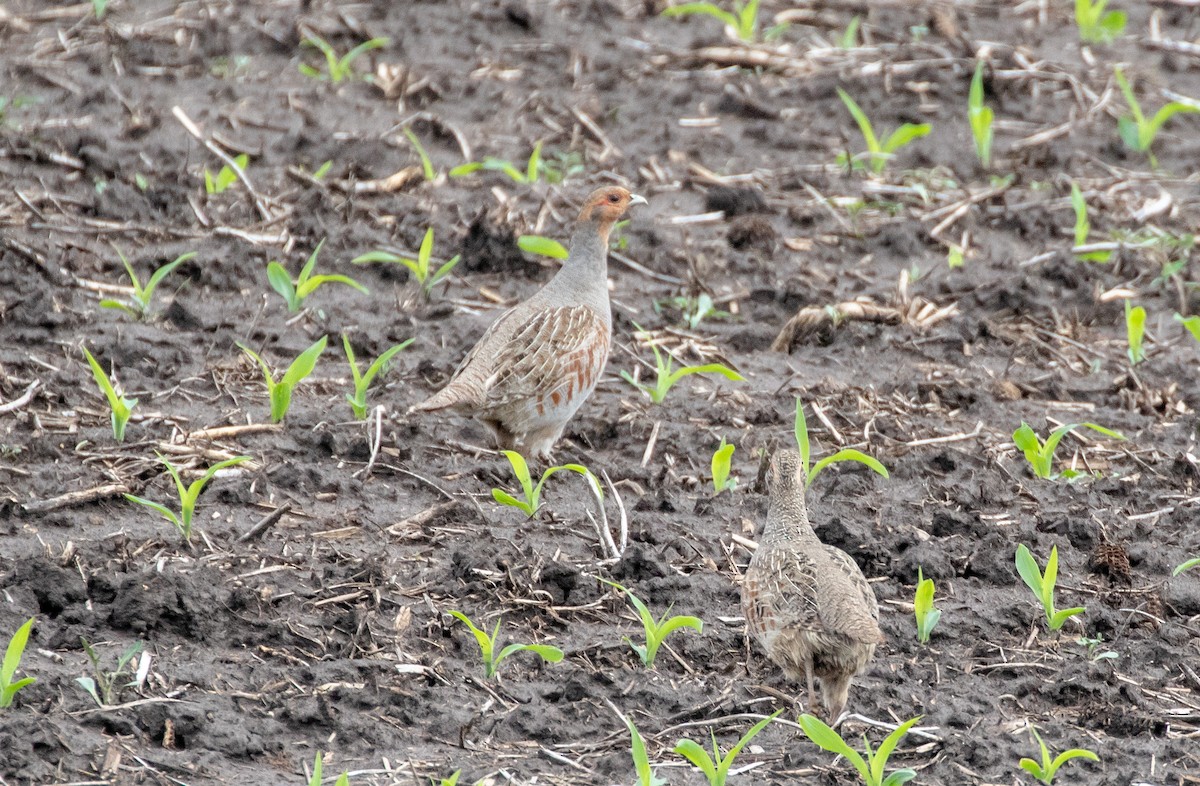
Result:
[614,198]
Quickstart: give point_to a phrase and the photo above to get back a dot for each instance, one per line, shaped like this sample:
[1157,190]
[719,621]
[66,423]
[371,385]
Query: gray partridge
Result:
[806,603]
[536,365]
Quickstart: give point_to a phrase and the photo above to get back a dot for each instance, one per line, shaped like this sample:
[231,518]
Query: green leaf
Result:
[906,134]
[1191,324]
[535,159]
[281,282]
[310,286]
[381,362]
[376,256]
[544,246]
[698,757]
[545,651]
[827,739]
[304,363]
[802,435]
[864,124]
[721,459]
[1135,329]
[881,755]
[849,39]
[161,509]
[899,777]
[1059,618]
[426,164]
[12,660]
[158,275]
[1028,569]
[505,498]
[641,761]
[442,272]
[520,470]
[1127,129]
[709,9]
[1188,565]
[462,170]
[848,454]
[116,304]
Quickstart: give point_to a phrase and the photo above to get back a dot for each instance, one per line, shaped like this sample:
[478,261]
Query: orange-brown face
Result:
[608,204]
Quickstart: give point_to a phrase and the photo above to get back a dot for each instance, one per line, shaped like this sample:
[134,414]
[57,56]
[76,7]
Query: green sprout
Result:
[187,494]
[849,39]
[1096,26]
[1042,585]
[358,399]
[322,170]
[1045,771]
[721,460]
[1135,330]
[656,630]
[487,647]
[542,246]
[694,310]
[877,155]
[532,500]
[296,292]
[716,767]
[139,306]
[226,177]
[419,267]
[927,615]
[99,7]
[120,406]
[743,19]
[337,68]
[318,773]
[104,686]
[641,761]
[451,781]
[1040,455]
[845,454]
[1137,132]
[534,168]
[426,164]
[666,377]
[281,392]
[980,116]
[1191,324]
[1095,654]
[871,768]
[12,659]
[1083,227]
[1180,568]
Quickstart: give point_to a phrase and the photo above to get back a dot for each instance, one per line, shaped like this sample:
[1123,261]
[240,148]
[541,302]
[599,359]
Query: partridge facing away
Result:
[806,603]
[536,365]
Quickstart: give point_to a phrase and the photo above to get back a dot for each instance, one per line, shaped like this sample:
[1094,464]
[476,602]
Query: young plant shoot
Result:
[743,20]
[845,454]
[138,306]
[338,69]
[487,647]
[533,493]
[656,630]
[358,399]
[877,154]
[318,775]
[12,659]
[1096,25]
[1040,455]
[1137,132]
[1135,331]
[542,246]
[216,184]
[1042,585]
[104,685]
[666,375]
[427,169]
[534,168]
[871,768]
[120,407]
[280,392]
[927,616]
[721,460]
[188,494]
[716,767]
[1083,227]
[980,117]
[641,761]
[1190,324]
[419,267]
[296,292]
[1185,566]
[1046,770]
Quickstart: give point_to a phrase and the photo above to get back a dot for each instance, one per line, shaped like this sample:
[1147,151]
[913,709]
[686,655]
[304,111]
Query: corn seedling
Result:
[1040,455]
[1042,585]
[641,761]
[743,20]
[693,310]
[280,392]
[721,460]
[1137,132]
[1191,324]
[427,169]
[8,668]
[870,768]
[187,494]
[1135,331]
[533,168]
[318,773]
[1097,26]
[980,116]
[1083,227]
[296,292]
[358,399]
[216,184]
[656,630]
[104,686]
[845,454]
[322,170]
[139,306]
[927,615]
[337,68]
[487,647]
[716,767]
[120,407]
[1095,654]
[849,39]
[99,7]
[1046,770]
[451,781]
[877,154]
[1180,568]
[419,267]
[667,375]
[542,246]
[533,493]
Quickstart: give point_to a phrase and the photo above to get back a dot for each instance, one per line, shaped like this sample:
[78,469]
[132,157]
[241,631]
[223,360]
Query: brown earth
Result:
[330,631]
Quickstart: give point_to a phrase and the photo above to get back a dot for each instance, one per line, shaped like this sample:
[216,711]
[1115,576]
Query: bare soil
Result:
[330,631]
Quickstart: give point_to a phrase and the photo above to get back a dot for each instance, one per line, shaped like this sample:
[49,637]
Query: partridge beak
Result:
[635,199]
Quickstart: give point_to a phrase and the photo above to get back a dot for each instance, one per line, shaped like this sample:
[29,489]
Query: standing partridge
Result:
[539,361]
[807,603]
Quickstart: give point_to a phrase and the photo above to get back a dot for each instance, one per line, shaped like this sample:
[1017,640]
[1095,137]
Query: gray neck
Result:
[787,520]
[585,272]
